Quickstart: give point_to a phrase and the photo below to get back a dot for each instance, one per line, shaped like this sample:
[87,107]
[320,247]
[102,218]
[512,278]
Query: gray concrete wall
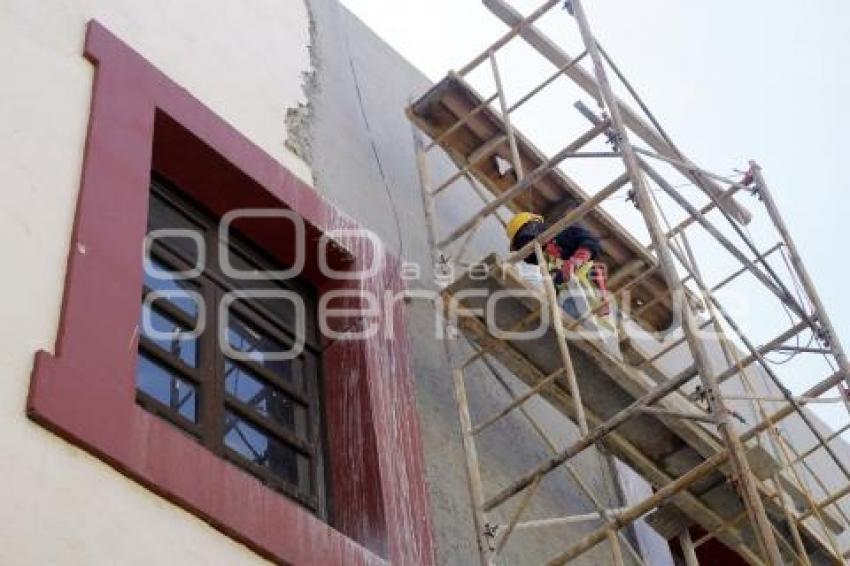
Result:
[360,147]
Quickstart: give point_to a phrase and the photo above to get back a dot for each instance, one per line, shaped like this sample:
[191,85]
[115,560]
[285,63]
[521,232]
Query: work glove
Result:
[579,258]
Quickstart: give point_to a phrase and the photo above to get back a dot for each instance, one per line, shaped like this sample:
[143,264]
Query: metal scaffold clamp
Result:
[823,335]
[748,180]
[490,531]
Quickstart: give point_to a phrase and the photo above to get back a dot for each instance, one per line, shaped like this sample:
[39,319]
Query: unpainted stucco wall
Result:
[245,61]
[363,161]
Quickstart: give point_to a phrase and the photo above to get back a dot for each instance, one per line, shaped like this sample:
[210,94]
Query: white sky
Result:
[729,80]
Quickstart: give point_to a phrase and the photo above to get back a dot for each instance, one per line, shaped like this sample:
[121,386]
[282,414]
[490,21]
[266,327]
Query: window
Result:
[217,353]
[83,390]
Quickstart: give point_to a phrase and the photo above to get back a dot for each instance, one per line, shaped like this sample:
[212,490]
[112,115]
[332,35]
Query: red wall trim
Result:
[140,120]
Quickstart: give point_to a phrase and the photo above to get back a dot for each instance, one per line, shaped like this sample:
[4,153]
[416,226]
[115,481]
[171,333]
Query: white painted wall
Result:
[242,59]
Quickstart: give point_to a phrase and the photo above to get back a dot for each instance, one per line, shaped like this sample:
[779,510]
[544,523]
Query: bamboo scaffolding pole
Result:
[462,120]
[775,286]
[724,527]
[427,200]
[803,350]
[573,216]
[748,489]
[480,353]
[760,258]
[694,169]
[752,358]
[725,196]
[669,347]
[473,182]
[586,316]
[732,357]
[561,521]
[520,400]
[555,55]
[633,513]
[795,404]
[653,395]
[810,501]
[740,465]
[775,439]
[476,487]
[679,415]
[716,200]
[524,184]
[603,430]
[486,150]
[833,498]
[715,288]
[561,70]
[467,241]
[516,403]
[807,494]
[631,90]
[492,98]
[817,447]
[506,118]
[786,393]
[688,549]
[503,540]
[564,350]
[818,389]
[817,479]
[791,521]
[616,553]
[735,521]
[568,468]
[684,224]
[800,267]
[622,520]
[588,440]
[513,32]
[781,399]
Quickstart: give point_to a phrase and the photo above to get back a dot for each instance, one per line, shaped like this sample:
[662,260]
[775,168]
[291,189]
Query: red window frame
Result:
[141,121]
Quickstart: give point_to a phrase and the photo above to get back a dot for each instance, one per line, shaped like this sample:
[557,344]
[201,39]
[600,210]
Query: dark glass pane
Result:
[175,287]
[282,309]
[165,387]
[261,449]
[177,344]
[265,399]
[162,215]
[258,347]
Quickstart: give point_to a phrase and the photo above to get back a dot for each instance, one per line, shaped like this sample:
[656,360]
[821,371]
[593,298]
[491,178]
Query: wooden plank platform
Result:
[483,137]
[659,448]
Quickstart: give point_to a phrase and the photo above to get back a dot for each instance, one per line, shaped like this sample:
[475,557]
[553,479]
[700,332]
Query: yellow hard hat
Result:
[519,220]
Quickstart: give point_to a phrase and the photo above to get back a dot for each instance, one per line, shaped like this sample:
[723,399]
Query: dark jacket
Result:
[569,240]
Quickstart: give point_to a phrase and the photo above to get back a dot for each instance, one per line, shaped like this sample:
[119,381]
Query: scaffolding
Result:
[744,485]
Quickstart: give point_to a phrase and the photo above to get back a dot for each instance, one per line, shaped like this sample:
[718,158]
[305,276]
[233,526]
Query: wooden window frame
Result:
[84,388]
[208,376]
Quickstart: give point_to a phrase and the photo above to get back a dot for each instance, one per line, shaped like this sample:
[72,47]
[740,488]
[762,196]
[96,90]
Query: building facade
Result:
[271,105]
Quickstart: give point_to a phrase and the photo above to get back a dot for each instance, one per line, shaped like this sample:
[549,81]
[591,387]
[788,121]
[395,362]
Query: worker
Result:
[571,256]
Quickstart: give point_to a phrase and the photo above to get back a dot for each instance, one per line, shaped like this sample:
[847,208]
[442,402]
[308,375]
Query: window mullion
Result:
[213,362]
